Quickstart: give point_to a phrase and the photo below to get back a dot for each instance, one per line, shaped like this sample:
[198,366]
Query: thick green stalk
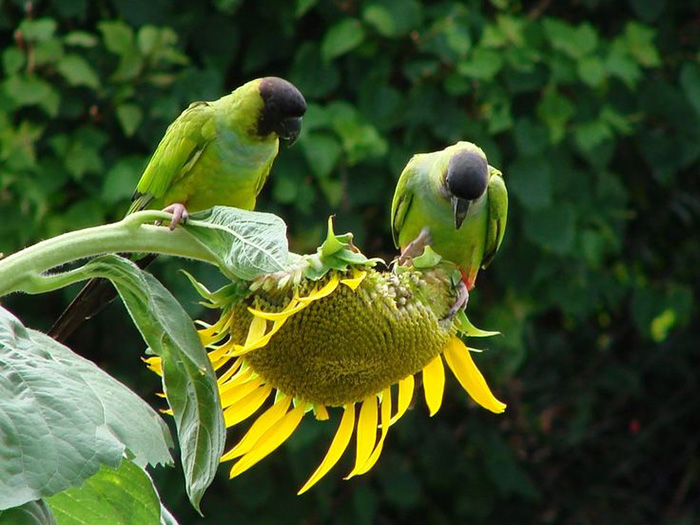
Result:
[23,271]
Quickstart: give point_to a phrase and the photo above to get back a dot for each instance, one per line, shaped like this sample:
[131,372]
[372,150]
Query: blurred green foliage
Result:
[592,111]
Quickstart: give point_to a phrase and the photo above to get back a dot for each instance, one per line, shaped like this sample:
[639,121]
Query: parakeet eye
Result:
[283,107]
[467,175]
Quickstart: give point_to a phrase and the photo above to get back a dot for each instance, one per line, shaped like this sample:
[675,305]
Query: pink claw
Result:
[179,214]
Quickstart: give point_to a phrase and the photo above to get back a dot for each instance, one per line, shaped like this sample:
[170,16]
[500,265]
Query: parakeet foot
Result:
[179,214]
[460,302]
[416,246]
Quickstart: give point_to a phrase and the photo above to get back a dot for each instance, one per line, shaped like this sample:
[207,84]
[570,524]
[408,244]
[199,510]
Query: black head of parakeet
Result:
[283,109]
[467,179]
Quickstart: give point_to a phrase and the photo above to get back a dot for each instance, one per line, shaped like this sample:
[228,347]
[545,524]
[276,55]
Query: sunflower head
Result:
[332,331]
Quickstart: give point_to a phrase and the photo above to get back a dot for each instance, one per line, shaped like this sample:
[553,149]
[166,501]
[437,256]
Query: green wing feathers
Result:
[498,214]
[403,195]
[184,142]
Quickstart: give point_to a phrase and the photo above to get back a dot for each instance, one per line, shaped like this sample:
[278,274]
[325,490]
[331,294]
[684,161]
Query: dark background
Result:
[590,108]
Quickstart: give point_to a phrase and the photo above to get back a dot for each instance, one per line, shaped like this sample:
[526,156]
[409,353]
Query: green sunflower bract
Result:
[332,331]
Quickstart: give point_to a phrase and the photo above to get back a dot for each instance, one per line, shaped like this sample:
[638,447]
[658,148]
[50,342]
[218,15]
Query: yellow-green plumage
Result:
[215,153]
[422,200]
[211,155]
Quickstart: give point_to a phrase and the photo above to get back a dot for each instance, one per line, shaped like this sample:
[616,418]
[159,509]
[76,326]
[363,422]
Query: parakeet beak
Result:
[460,208]
[289,130]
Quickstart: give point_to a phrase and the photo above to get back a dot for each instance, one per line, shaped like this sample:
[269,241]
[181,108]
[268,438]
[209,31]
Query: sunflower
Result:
[334,332]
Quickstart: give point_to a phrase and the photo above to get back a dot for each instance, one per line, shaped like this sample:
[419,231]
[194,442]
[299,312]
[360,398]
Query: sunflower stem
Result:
[24,270]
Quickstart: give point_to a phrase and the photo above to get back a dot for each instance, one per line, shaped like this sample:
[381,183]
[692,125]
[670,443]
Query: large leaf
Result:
[61,418]
[246,243]
[120,496]
[32,513]
[188,377]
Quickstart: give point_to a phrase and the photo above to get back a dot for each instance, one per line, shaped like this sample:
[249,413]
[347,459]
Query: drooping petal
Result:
[460,361]
[269,418]
[386,417]
[434,384]
[232,370]
[272,439]
[241,350]
[293,307]
[256,331]
[320,412]
[325,291]
[154,364]
[366,434]
[241,377]
[239,391]
[354,282]
[406,386]
[338,445]
[246,406]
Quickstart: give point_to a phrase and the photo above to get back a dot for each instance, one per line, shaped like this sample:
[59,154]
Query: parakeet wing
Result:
[184,141]
[403,197]
[498,214]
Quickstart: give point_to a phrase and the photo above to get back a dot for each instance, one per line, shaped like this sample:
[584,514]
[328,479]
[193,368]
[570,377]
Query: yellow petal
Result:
[256,331]
[338,445]
[434,384]
[405,395]
[293,307]
[272,439]
[460,361]
[320,412]
[241,377]
[232,370]
[366,434]
[154,364]
[326,290]
[241,350]
[271,416]
[233,395]
[386,417]
[355,281]
[246,406]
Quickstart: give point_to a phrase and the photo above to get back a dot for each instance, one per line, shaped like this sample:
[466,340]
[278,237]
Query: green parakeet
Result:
[214,153]
[460,199]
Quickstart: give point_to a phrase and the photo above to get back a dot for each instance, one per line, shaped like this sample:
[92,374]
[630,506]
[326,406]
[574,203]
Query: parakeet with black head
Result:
[214,153]
[460,199]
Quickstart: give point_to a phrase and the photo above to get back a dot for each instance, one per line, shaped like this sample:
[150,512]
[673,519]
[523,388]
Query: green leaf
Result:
[484,64]
[78,72]
[591,70]
[188,377]
[303,7]
[247,243]
[344,36]
[530,179]
[690,82]
[619,64]
[312,75]
[12,60]
[129,116]
[640,45]
[32,91]
[392,18]
[553,228]
[380,18]
[32,513]
[322,152]
[574,42]
[555,110]
[121,179]
[80,39]
[120,496]
[38,30]
[62,417]
[118,37]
